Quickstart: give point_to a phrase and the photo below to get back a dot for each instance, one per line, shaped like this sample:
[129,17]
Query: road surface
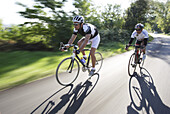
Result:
[111,91]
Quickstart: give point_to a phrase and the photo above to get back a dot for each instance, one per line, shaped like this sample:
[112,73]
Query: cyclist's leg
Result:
[138,43]
[93,58]
[144,50]
[95,43]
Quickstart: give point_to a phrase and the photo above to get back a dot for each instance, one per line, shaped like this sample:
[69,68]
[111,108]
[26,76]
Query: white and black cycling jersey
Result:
[87,29]
[141,36]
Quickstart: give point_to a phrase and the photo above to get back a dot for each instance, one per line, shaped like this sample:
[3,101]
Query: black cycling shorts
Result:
[139,42]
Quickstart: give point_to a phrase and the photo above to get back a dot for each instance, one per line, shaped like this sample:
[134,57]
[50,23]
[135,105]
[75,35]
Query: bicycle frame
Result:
[137,52]
[88,59]
[74,55]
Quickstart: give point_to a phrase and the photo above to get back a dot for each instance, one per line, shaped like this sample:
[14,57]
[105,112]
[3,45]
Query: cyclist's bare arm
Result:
[73,37]
[87,37]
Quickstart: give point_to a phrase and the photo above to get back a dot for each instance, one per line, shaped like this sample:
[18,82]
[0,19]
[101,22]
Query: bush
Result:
[118,35]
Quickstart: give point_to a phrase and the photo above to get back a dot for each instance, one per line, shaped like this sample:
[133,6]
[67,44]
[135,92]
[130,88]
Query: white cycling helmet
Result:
[139,26]
[78,19]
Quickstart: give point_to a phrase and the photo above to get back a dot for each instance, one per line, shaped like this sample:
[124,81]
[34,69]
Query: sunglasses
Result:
[76,24]
[138,29]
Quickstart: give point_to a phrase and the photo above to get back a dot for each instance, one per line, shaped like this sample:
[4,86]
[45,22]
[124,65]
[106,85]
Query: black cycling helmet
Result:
[78,19]
[139,26]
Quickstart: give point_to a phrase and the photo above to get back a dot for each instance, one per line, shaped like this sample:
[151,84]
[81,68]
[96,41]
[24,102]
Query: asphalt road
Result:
[111,91]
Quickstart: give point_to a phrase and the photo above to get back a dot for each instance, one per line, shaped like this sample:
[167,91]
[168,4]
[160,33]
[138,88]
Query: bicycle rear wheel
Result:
[99,61]
[67,71]
[132,65]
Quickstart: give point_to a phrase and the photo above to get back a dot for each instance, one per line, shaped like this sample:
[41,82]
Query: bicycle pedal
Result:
[133,65]
[84,69]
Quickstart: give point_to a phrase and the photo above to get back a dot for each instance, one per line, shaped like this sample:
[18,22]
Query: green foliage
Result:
[55,25]
[114,35]
[51,24]
[111,17]
[136,13]
[60,30]
[0,24]
[1,28]
[83,7]
[163,18]
[112,25]
[88,11]
[23,33]
[159,16]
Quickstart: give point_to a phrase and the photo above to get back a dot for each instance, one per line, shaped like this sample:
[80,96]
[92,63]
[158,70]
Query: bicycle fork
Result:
[70,66]
[137,56]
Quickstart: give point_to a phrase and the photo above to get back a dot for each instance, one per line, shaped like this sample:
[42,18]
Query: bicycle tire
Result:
[131,65]
[99,61]
[67,71]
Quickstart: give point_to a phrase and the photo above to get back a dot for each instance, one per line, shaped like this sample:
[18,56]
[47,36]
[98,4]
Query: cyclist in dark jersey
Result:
[91,36]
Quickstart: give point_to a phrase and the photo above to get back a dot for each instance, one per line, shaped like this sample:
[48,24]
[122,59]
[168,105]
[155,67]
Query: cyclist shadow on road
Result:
[144,96]
[73,99]
[50,103]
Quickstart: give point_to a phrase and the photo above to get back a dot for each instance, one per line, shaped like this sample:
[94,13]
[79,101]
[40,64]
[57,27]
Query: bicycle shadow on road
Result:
[144,96]
[70,102]
[50,102]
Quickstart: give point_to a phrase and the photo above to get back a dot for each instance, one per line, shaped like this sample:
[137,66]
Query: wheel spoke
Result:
[67,71]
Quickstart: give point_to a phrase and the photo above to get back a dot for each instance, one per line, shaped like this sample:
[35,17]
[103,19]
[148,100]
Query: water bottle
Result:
[83,60]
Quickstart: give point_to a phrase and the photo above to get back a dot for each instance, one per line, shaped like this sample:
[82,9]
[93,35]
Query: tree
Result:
[83,7]
[159,16]
[0,24]
[86,9]
[136,13]
[53,23]
[163,18]
[1,28]
[112,17]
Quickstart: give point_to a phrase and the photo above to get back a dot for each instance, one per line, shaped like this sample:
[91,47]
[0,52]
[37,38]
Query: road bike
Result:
[69,68]
[135,59]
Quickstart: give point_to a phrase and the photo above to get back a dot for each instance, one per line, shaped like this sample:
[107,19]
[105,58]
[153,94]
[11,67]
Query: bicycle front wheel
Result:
[131,65]
[67,71]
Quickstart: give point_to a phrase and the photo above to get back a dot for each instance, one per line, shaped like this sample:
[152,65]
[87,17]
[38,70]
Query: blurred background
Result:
[30,31]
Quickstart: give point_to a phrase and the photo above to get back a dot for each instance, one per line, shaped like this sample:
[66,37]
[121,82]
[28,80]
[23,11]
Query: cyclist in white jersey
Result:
[141,36]
[90,34]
